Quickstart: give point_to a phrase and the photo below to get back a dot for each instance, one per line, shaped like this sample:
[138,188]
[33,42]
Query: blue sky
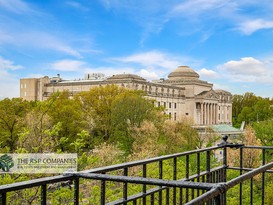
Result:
[228,42]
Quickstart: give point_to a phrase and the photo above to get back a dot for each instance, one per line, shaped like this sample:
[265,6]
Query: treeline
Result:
[251,108]
[107,114]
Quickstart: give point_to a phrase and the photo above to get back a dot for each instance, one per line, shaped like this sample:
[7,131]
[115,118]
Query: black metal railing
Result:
[195,177]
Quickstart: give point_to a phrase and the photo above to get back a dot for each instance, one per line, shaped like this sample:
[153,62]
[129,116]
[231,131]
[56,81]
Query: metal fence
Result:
[194,177]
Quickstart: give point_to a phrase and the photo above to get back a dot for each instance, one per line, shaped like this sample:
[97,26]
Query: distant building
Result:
[183,94]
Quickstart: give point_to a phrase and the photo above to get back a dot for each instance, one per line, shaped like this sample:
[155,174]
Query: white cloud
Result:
[247,69]
[16,6]
[155,63]
[76,5]
[197,7]
[205,73]
[38,40]
[251,26]
[68,65]
[148,74]
[8,65]
[8,80]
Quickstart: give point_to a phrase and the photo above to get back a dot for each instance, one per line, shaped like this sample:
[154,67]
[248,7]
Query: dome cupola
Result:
[183,72]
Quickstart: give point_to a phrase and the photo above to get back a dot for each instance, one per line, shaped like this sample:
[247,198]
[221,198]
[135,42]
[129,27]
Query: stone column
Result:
[201,114]
[205,114]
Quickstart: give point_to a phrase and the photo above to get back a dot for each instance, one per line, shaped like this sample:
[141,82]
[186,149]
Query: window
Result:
[174,105]
[21,85]
[165,104]
[158,104]
[170,115]
[25,94]
[175,116]
[187,113]
[170,105]
[25,85]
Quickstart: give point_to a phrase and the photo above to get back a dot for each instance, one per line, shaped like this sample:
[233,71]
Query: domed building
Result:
[183,94]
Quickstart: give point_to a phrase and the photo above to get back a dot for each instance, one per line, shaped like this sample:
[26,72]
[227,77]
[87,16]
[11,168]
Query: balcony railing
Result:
[194,177]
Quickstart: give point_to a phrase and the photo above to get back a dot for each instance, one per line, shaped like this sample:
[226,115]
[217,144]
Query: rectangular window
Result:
[165,104]
[170,105]
[170,115]
[25,85]
[21,85]
[175,116]
[25,94]
[174,105]
[158,104]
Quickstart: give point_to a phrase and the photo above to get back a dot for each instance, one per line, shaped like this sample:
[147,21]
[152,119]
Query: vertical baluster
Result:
[43,194]
[152,199]
[187,176]
[76,191]
[251,191]
[241,172]
[167,196]
[144,174]
[181,196]
[125,185]
[198,171]
[160,177]
[174,178]
[102,191]
[263,176]
[208,166]
[224,171]
[3,198]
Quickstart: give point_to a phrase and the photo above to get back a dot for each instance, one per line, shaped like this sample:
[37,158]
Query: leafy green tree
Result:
[264,131]
[97,106]
[68,112]
[129,110]
[12,114]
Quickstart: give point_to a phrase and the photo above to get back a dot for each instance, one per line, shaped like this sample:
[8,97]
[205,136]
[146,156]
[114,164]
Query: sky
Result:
[228,42]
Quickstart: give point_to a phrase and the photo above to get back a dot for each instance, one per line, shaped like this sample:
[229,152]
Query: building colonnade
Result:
[207,113]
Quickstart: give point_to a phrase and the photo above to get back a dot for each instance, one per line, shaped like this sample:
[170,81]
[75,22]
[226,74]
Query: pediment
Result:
[209,95]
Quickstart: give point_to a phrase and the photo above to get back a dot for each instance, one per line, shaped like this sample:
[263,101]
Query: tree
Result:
[97,106]
[264,132]
[129,110]
[12,114]
[68,112]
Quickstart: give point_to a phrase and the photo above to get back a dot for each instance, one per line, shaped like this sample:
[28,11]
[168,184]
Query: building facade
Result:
[183,94]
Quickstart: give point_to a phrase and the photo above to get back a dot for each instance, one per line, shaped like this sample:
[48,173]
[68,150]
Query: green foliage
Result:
[12,113]
[264,131]
[251,108]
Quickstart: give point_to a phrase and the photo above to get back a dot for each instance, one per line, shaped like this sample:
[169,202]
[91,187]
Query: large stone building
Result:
[183,94]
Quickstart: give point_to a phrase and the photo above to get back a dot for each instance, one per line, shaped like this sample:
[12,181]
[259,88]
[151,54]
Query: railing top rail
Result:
[34,182]
[258,147]
[148,181]
[223,187]
[147,161]
[248,175]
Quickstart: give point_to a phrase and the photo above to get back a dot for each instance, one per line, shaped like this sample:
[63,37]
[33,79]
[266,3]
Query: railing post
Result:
[263,176]
[187,176]
[160,177]
[144,175]
[43,194]
[3,199]
[76,191]
[174,178]
[241,172]
[125,185]
[225,165]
